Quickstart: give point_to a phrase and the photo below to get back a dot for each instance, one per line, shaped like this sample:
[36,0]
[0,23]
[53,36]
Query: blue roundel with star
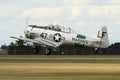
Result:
[57,37]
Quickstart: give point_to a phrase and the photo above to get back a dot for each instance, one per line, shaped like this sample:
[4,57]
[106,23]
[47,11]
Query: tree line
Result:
[22,48]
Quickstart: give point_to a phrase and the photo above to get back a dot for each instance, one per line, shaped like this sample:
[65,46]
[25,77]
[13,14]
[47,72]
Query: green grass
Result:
[37,67]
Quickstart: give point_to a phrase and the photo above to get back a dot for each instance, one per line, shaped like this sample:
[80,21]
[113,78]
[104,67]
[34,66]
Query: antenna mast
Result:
[27,21]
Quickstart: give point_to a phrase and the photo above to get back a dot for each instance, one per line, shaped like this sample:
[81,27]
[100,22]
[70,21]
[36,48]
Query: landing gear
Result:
[42,50]
[48,51]
[96,50]
[35,50]
[99,51]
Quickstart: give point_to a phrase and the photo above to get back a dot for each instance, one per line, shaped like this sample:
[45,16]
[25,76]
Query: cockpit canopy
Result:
[55,28]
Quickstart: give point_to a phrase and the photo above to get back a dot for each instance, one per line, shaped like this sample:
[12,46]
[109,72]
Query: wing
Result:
[40,41]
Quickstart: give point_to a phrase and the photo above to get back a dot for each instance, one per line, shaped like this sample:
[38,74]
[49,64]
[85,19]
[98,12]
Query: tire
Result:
[48,51]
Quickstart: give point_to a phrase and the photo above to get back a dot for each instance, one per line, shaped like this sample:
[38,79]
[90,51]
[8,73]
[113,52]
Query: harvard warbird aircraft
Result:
[55,36]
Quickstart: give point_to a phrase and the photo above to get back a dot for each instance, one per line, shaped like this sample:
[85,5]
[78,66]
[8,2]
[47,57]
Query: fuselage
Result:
[65,36]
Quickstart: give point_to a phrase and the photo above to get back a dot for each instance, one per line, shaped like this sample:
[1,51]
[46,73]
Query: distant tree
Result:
[4,47]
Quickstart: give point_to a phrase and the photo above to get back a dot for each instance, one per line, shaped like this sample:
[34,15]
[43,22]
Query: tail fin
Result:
[103,35]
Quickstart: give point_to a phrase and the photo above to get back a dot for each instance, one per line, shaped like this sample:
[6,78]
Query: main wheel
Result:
[48,51]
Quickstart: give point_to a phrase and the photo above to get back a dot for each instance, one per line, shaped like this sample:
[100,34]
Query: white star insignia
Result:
[57,37]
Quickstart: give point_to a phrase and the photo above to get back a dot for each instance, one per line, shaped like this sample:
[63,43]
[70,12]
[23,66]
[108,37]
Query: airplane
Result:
[55,36]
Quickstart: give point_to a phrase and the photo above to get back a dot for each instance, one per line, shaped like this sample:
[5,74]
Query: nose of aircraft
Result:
[27,32]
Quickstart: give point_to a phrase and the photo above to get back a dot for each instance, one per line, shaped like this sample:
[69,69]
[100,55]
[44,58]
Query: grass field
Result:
[59,67]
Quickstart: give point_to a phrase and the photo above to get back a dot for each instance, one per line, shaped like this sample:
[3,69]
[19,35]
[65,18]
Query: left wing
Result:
[40,41]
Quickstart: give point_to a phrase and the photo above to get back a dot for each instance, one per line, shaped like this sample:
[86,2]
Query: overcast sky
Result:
[84,16]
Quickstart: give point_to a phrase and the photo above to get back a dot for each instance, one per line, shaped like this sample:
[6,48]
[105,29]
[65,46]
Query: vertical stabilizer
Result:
[103,35]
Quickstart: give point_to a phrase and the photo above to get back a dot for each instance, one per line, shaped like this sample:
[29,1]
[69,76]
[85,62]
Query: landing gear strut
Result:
[96,50]
[35,50]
